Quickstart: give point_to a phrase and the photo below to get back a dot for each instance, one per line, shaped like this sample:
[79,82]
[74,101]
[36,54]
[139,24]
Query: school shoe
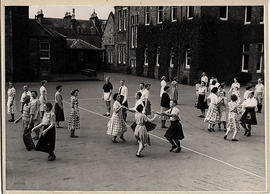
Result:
[249,134]
[123,139]
[235,140]
[178,148]
[52,158]
[225,137]
[115,141]
[209,130]
[213,130]
[139,155]
[11,120]
[246,132]
[173,147]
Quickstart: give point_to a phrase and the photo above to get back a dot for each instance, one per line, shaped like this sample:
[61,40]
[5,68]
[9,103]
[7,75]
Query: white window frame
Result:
[120,15]
[124,53]
[172,12]
[261,61]
[147,16]
[146,57]
[136,23]
[171,57]
[132,18]
[243,58]
[246,15]
[189,18]
[227,14]
[45,50]
[131,63]
[262,22]
[186,61]
[157,56]
[119,54]
[125,17]
[160,22]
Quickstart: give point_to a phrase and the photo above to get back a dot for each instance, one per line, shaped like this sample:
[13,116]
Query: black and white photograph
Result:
[135,98]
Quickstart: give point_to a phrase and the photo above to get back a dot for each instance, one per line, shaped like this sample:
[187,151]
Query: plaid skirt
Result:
[116,125]
[249,117]
[212,115]
[74,120]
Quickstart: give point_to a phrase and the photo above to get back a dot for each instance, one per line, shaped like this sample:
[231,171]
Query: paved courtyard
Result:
[92,162]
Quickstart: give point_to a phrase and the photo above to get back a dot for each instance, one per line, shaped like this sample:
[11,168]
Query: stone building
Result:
[183,41]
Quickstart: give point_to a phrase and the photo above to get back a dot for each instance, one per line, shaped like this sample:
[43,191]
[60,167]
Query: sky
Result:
[81,12]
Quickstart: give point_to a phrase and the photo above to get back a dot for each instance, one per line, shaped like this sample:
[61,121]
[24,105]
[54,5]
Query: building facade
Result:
[183,41]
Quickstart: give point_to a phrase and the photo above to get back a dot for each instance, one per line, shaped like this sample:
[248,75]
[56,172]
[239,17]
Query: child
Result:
[58,107]
[46,141]
[222,107]
[74,119]
[259,93]
[249,116]
[27,138]
[248,90]
[233,121]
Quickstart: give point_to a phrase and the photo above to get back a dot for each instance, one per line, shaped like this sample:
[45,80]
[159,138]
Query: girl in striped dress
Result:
[116,125]
[11,105]
[74,119]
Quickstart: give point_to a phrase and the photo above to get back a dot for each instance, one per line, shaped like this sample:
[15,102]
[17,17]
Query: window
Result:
[245,58]
[157,56]
[259,58]
[248,14]
[124,54]
[223,13]
[44,50]
[146,57]
[261,15]
[133,63]
[147,15]
[132,31]
[120,20]
[171,57]
[125,19]
[190,12]
[136,30]
[160,14]
[119,54]
[174,13]
[188,59]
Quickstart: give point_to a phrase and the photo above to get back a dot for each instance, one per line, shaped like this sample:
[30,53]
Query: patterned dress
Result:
[11,105]
[43,97]
[212,115]
[116,125]
[140,130]
[74,118]
[236,90]
[222,107]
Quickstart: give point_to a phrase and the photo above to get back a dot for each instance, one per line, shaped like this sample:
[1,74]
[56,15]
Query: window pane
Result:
[160,14]
[174,13]
[190,11]
[248,14]
[246,59]
[259,62]
[223,12]
[260,48]
[261,14]
[246,48]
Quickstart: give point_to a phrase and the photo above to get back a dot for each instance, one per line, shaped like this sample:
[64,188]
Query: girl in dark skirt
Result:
[46,142]
[202,100]
[249,116]
[58,108]
[175,131]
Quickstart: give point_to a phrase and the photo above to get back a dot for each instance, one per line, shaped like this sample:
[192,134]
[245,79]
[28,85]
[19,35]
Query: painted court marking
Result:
[189,149]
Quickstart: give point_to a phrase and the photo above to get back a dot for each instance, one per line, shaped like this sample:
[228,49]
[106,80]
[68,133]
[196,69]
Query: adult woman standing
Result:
[58,108]
[140,132]
[212,116]
[43,97]
[11,104]
[116,125]
[202,100]
[174,90]
[164,105]
[235,89]
[74,118]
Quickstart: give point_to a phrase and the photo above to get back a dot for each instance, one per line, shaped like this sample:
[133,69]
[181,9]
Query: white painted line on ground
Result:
[202,154]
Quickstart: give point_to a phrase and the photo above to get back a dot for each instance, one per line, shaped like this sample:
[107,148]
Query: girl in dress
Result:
[46,142]
[202,100]
[174,91]
[212,116]
[235,89]
[43,97]
[116,125]
[164,105]
[146,100]
[249,116]
[140,132]
[233,121]
[58,108]
[162,84]
[222,107]
[74,118]
[248,90]
[259,92]
[11,104]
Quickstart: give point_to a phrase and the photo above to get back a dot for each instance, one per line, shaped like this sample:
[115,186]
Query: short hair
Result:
[58,87]
[236,78]
[115,96]
[248,87]
[166,88]
[49,105]
[26,99]
[234,97]
[73,91]
[139,108]
[174,101]
[26,85]
[214,90]
[147,85]
[214,82]
[35,92]
[252,93]
[203,82]
[139,94]
[142,83]
[43,82]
